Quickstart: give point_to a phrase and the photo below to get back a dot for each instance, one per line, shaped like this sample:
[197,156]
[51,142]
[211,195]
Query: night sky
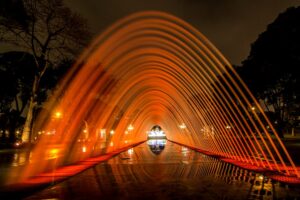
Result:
[232,25]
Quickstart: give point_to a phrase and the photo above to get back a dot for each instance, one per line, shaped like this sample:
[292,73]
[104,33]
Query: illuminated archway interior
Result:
[152,68]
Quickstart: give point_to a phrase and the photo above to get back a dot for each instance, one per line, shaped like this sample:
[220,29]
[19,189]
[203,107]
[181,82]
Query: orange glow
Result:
[53,153]
[58,115]
[152,68]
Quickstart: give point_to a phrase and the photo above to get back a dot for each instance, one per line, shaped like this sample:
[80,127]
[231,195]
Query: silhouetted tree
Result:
[16,77]
[50,31]
[272,68]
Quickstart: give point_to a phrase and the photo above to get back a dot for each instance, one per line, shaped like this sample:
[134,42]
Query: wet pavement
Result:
[164,170]
[12,160]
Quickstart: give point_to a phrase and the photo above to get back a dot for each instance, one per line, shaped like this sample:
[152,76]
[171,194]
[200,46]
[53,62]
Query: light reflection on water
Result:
[14,158]
[175,173]
[156,146]
[21,158]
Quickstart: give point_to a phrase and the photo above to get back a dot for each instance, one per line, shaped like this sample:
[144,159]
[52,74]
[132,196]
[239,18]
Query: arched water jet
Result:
[153,68]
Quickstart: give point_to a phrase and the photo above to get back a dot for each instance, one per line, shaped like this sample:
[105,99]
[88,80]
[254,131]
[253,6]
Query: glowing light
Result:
[84,149]
[17,144]
[112,132]
[52,132]
[85,130]
[130,127]
[261,177]
[156,134]
[182,126]
[58,115]
[53,153]
[184,151]
[103,133]
[228,127]
[130,151]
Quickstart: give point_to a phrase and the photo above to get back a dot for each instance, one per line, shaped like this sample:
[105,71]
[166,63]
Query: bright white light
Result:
[182,126]
[112,132]
[130,127]
[84,149]
[156,133]
[50,132]
[156,142]
[102,133]
[228,127]
[184,151]
[130,151]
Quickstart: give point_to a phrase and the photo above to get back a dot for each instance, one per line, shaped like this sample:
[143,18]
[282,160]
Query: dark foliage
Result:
[272,68]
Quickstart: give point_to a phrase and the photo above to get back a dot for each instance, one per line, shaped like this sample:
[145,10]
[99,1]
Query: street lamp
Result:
[58,115]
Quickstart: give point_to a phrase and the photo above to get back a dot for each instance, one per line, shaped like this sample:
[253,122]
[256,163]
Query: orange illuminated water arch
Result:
[152,68]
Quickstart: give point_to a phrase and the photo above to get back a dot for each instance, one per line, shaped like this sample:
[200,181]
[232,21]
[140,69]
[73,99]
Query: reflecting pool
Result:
[175,172]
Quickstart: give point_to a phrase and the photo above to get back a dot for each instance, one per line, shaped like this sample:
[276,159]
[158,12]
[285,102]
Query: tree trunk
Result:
[26,135]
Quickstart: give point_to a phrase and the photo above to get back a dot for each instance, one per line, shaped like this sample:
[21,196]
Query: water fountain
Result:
[153,68]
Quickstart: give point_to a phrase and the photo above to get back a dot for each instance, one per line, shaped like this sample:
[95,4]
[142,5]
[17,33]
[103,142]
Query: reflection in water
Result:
[156,146]
[21,158]
[177,173]
[12,163]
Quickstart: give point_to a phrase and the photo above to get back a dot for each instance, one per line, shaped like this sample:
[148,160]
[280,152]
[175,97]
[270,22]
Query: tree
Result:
[50,32]
[14,89]
[16,76]
[272,68]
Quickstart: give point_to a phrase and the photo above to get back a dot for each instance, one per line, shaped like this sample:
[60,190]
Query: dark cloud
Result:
[232,25]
